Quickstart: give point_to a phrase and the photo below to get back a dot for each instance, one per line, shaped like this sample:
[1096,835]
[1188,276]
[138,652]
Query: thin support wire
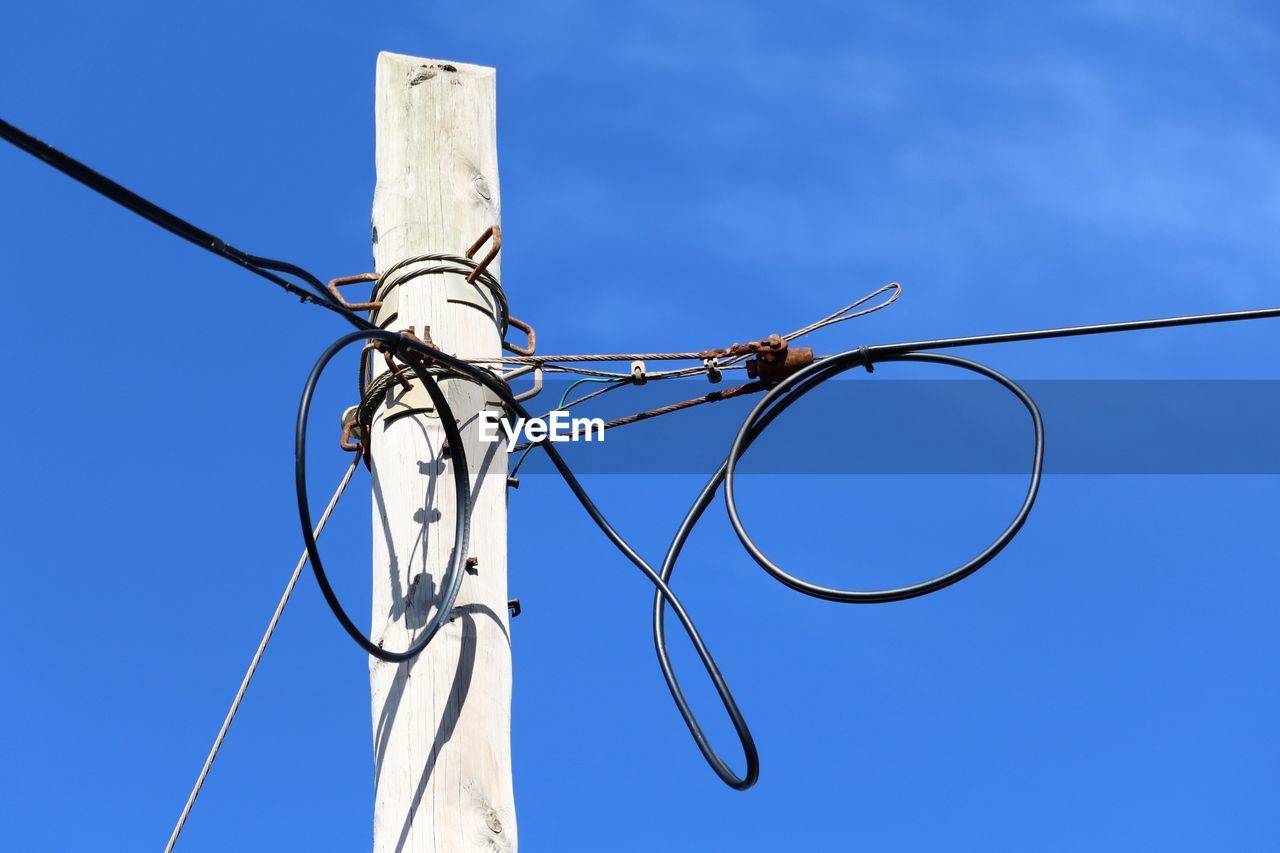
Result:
[257,658]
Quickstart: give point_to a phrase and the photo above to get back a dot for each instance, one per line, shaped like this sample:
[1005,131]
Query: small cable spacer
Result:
[865,352]
[713,370]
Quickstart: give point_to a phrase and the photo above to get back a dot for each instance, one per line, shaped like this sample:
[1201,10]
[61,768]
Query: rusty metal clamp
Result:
[493,232]
[777,364]
[343,281]
[528,330]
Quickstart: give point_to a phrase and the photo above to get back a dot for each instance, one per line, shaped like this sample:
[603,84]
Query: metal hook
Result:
[528,330]
[343,281]
[493,232]
[537,386]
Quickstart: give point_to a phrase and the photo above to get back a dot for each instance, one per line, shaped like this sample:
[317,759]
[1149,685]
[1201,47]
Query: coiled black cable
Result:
[776,401]
[462,490]
[781,397]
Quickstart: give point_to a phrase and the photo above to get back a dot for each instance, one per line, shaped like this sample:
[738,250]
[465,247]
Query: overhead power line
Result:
[171,222]
[785,385]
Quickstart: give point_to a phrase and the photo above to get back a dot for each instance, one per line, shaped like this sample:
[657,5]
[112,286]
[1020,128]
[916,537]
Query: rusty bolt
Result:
[472,563]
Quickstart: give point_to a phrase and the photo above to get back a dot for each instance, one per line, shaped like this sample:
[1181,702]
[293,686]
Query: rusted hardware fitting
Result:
[773,343]
[774,359]
[514,606]
[343,281]
[397,372]
[531,344]
[513,482]
[413,355]
[400,373]
[776,365]
[638,375]
[351,432]
[494,233]
[472,564]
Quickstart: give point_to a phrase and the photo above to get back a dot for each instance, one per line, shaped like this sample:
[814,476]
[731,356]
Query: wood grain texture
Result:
[441,723]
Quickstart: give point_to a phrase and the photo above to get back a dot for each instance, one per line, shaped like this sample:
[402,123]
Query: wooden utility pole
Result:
[442,722]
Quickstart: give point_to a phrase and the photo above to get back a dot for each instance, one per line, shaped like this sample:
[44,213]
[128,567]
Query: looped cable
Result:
[462,490]
[779,398]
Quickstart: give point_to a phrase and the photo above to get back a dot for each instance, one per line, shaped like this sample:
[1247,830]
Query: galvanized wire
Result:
[253,664]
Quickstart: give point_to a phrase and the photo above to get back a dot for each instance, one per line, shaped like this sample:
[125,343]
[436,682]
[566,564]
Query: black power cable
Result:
[773,404]
[786,393]
[128,199]
[777,400]
[462,493]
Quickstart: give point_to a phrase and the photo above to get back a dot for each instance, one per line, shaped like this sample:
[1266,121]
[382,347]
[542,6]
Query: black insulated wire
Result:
[174,224]
[781,397]
[484,377]
[776,401]
[462,491]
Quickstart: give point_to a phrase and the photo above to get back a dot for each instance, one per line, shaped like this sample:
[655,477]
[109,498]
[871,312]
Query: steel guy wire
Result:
[257,658]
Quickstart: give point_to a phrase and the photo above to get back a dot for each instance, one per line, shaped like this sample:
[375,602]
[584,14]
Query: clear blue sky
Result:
[1109,683]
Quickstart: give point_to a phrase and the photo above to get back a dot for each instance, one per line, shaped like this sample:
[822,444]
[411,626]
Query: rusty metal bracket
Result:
[407,356]
[343,281]
[412,334]
[397,372]
[494,233]
[528,330]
